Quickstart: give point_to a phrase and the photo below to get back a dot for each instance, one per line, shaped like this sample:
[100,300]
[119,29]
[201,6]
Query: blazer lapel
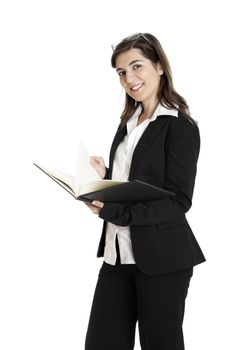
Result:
[143,145]
[147,138]
[116,141]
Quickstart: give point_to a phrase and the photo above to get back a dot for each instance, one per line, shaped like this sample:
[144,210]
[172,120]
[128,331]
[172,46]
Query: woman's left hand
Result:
[95,206]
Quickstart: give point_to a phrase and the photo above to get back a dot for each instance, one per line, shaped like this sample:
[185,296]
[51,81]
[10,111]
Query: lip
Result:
[136,87]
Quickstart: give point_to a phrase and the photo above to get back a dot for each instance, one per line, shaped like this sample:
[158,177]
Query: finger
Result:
[93,161]
[98,204]
[94,209]
[98,160]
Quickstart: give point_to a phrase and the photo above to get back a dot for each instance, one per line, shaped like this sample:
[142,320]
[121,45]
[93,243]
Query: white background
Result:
[57,87]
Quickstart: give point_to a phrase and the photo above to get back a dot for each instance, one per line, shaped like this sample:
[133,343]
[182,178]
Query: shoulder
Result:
[179,124]
[181,134]
[187,124]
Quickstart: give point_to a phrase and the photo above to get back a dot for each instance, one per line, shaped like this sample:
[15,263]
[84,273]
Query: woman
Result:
[149,249]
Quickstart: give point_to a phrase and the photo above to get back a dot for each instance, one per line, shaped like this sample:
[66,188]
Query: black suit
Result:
[153,290]
[165,156]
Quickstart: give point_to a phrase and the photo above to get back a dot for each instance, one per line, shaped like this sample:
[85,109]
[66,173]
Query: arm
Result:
[181,160]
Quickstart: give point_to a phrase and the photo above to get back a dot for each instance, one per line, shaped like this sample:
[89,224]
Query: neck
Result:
[148,110]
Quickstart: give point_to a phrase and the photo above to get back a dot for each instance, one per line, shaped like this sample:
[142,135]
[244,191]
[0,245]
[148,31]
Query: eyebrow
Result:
[132,62]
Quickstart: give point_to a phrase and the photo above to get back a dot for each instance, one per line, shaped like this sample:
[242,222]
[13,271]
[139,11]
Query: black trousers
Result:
[125,295]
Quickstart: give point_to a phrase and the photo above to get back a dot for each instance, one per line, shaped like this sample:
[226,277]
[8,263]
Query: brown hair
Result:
[152,50]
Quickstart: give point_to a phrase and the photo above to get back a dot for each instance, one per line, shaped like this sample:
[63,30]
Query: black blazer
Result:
[165,156]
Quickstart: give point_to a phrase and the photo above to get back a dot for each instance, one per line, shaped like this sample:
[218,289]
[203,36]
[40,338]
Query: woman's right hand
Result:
[99,165]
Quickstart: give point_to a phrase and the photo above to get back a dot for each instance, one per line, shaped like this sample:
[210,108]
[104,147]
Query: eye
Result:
[136,66]
[121,73]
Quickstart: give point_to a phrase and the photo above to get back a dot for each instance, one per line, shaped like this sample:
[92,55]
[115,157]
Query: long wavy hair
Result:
[167,95]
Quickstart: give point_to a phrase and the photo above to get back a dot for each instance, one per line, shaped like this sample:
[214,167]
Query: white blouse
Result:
[121,168]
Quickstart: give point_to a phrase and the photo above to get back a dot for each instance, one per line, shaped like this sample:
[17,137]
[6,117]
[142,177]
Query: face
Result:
[139,76]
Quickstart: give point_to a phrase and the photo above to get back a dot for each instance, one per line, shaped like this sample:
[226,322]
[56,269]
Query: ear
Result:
[159,69]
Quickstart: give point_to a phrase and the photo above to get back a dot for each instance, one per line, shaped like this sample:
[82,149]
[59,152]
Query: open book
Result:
[86,185]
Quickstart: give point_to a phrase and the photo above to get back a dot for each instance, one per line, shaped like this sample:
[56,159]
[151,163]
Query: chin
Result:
[137,99]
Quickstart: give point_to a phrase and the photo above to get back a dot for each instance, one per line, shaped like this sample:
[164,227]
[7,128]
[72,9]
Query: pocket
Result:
[172,223]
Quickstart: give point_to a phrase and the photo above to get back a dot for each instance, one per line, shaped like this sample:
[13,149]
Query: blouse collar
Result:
[160,110]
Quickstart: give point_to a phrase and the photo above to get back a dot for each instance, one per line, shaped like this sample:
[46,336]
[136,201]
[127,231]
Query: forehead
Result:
[124,58]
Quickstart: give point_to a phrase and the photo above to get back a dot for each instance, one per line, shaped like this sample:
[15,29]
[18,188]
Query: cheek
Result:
[124,86]
[122,83]
[155,81]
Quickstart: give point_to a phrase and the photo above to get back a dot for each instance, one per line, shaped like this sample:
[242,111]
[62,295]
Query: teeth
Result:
[136,87]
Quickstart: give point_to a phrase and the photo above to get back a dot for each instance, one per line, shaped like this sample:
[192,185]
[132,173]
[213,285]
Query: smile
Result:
[136,87]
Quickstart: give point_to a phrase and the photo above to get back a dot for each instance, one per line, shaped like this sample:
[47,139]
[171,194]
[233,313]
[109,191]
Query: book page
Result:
[84,172]
[99,185]
[65,180]
[66,186]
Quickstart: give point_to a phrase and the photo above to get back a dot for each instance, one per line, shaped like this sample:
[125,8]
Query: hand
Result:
[96,206]
[99,165]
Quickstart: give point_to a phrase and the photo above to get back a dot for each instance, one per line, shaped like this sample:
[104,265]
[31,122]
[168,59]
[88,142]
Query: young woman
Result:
[149,249]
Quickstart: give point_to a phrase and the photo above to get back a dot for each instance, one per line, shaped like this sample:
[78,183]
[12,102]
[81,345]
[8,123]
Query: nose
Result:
[130,76]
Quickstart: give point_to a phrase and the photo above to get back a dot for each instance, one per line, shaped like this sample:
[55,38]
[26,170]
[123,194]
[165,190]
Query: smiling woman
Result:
[140,78]
[148,247]
[150,49]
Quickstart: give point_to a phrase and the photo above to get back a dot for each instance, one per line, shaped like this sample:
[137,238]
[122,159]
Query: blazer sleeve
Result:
[107,174]
[182,153]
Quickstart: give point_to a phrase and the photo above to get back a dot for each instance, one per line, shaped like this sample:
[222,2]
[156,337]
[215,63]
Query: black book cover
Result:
[132,191]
